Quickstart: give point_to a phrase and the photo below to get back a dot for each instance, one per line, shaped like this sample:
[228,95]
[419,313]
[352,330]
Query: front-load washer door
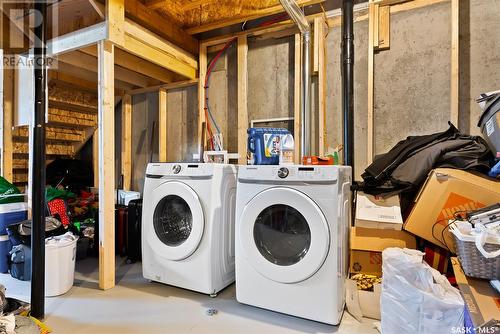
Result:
[178,221]
[284,235]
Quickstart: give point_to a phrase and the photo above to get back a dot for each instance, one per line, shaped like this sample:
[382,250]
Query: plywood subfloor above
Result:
[202,15]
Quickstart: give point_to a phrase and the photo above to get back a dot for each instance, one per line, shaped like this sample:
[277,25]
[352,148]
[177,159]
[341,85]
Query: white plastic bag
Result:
[417,298]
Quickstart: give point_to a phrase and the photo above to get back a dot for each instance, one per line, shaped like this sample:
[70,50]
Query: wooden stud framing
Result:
[370,121]
[169,86]
[127,141]
[384,27]
[95,157]
[375,18]
[7,122]
[201,95]
[136,64]
[115,19]
[242,99]
[322,50]
[296,96]
[143,50]
[163,124]
[89,63]
[455,51]
[106,165]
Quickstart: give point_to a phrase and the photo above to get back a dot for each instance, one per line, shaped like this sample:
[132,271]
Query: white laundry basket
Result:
[60,255]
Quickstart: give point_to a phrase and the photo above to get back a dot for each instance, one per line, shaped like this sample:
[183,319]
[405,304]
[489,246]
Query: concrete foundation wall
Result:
[412,83]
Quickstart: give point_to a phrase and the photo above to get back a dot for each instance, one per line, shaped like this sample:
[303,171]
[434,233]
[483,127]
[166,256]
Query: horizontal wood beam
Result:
[149,37]
[160,25]
[143,50]
[136,64]
[169,86]
[89,76]
[242,18]
[287,26]
[77,39]
[88,62]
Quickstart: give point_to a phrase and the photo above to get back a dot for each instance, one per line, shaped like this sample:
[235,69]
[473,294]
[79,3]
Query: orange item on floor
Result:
[315,160]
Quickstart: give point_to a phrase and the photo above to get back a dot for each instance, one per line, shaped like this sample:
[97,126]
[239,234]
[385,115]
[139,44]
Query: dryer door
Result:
[178,221]
[284,235]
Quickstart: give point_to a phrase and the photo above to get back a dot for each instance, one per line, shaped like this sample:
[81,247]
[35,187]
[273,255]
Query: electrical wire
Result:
[208,113]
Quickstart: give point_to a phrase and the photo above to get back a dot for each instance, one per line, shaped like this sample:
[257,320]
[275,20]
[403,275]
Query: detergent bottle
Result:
[287,150]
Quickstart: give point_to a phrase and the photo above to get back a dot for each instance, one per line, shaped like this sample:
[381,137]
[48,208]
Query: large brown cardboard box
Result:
[367,245]
[446,192]
[482,301]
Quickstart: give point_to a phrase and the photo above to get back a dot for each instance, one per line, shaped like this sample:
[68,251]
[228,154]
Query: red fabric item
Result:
[58,207]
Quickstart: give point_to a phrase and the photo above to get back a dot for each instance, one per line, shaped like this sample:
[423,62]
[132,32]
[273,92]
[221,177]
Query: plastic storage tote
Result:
[264,145]
[9,214]
[12,213]
[60,256]
[489,123]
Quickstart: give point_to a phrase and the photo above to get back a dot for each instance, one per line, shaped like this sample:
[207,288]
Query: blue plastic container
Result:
[5,247]
[9,214]
[264,144]
[12,213]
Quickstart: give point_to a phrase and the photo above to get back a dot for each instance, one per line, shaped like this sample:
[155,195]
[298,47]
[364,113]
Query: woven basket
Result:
[473,262]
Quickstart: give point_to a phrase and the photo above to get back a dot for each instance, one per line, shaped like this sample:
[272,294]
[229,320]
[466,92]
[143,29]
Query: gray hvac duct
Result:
[300,20]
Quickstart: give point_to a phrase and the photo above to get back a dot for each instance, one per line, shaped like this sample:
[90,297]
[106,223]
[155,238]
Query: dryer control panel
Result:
[159,170]
[290,173]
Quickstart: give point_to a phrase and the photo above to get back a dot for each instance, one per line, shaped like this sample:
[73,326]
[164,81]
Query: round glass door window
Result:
[282,235]
[173,220]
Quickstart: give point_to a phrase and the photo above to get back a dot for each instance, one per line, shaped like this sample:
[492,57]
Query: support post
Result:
[115,19]
[296,98]
[95,157]
[8,101]
[201,97]
[106,130]
[321,28]
[127,141]
[242,98]
[370,123]
[455,51]
[348,81]
[38,168]
[163,124]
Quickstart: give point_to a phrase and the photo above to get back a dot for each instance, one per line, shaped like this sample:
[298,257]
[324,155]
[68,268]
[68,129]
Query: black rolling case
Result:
[134,231]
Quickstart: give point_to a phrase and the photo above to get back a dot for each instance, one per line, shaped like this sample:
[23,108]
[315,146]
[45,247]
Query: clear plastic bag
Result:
[417,298]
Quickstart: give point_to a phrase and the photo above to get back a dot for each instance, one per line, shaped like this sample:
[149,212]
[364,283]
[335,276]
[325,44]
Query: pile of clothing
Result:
[14,318]
[405,167]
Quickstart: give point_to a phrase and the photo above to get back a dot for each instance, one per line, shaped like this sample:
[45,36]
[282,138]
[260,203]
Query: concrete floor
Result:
[137,306]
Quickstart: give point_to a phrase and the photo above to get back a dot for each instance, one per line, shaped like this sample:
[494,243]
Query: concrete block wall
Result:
[412,81]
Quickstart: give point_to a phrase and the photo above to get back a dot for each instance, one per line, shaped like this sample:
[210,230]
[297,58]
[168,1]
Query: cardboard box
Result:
[446,192]
[362,303]
[378,212]
[482,301]
[367,245]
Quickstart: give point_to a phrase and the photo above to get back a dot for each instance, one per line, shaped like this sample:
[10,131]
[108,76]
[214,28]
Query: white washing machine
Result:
[188,225]
[291,239]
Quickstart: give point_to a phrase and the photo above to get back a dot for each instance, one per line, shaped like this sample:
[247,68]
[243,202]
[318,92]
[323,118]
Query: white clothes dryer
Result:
[291,239]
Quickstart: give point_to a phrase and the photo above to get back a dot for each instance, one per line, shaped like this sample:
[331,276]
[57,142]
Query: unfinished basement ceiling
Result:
[192,14]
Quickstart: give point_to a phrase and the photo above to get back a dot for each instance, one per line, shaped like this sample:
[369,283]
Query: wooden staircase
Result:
[72,121]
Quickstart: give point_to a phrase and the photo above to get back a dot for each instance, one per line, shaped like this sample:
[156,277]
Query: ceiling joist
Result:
[161,26]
